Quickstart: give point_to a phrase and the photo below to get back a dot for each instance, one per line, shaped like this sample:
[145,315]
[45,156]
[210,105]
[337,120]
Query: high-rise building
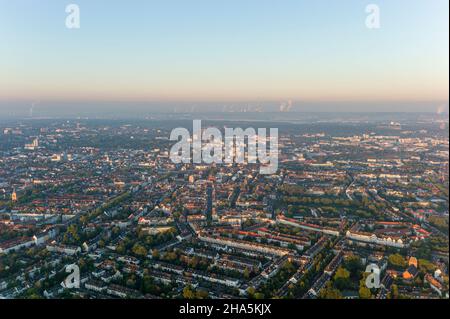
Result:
[34,145]
[209,202]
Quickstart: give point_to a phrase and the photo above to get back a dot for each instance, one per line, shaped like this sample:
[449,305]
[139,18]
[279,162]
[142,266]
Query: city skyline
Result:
[104,209]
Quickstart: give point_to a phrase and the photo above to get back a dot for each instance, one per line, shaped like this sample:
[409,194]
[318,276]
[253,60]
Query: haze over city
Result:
[180,56]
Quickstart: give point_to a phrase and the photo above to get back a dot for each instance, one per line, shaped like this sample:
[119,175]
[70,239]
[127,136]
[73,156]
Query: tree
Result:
[155,253]
[251,291]
[426,266]
[121,248]
[193,262]
[139,250]
[342,279]
[353,264]
[364,293]
[149,286]
[201,294]
[259,295]
[394,291]
[397,261]
[342,273]
[84,219]
[131,282]
[188,293]
[330,293]
[72,234]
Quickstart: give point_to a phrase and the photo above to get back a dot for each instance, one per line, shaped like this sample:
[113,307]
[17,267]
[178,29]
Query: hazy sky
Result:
[224,50]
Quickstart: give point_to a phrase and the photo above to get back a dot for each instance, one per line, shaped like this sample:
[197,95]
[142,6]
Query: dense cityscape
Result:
[105,196]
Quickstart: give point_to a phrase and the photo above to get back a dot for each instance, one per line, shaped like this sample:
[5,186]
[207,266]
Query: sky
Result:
[314,51]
